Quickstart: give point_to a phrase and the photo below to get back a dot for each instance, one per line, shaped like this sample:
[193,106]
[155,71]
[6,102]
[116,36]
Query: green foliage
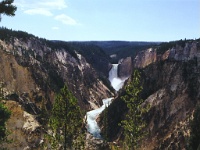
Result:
[134,124]
[7,8]
[1,91]
[194,141]
[163,47]
[43,117]
[7,34]
[4,116]
[66,119]
[105,124]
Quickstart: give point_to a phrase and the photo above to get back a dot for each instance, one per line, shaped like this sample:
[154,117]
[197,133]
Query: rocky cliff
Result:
[146,57]
[125,67]
[25,132]
[32,71]
[172,90]
[171,86]
[187,51]
[44,69]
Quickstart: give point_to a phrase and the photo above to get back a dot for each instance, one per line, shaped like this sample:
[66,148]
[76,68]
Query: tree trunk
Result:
[65,141]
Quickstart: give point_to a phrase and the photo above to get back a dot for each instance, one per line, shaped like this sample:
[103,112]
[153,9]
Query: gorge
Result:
[33,70]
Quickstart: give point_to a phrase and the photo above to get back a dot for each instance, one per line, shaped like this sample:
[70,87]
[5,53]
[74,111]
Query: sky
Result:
[104,20]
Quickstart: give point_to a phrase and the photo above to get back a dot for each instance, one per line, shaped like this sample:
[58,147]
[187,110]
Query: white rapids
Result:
[91,116]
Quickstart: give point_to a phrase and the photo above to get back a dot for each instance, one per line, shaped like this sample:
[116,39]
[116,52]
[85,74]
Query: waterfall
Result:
[117,83]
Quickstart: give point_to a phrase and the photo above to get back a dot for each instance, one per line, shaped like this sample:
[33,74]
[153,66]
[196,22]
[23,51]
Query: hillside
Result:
[33,70]
[171,88]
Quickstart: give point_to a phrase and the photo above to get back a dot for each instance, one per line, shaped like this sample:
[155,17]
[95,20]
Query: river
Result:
[117,83]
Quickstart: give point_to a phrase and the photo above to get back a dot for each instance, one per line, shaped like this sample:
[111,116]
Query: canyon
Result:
[32,71]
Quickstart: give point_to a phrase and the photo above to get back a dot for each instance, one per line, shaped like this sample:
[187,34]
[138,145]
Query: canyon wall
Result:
[171,87]
[178,52]
[44,69]
[32,71]
[125,67]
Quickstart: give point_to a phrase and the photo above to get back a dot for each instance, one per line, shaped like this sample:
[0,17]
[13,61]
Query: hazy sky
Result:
[131,20]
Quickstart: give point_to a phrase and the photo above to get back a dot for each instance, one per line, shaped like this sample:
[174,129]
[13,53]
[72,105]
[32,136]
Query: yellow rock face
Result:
[23,128]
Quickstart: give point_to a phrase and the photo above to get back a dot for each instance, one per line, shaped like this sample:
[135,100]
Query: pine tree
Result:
[133,124]
[7,8]
[43,117]
[4,116]
[105,124]
[1,91]
[194,140]
[66,118]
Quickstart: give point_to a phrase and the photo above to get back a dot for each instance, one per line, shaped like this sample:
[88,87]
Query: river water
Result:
[117,83]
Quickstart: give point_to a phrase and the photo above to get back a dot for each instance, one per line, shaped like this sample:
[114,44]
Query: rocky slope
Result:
[33,70]
[25,132]
[188,51]
[125,67]
[171,86]
[173,92]
[144,58]
[44,68]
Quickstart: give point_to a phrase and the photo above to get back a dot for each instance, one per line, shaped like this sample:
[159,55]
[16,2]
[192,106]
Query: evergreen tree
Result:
[66,119]
[7,8]
[1,91]
[4,116]
[194,141]
[43,117]
[133,124]
[105,124]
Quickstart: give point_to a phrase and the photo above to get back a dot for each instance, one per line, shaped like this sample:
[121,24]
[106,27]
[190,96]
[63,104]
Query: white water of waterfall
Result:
[117,83]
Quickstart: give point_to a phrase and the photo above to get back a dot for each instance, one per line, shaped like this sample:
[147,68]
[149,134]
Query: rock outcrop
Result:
[144,58]
[95,144]
[190,51]
[173,89]
[125,67]
[24,130]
